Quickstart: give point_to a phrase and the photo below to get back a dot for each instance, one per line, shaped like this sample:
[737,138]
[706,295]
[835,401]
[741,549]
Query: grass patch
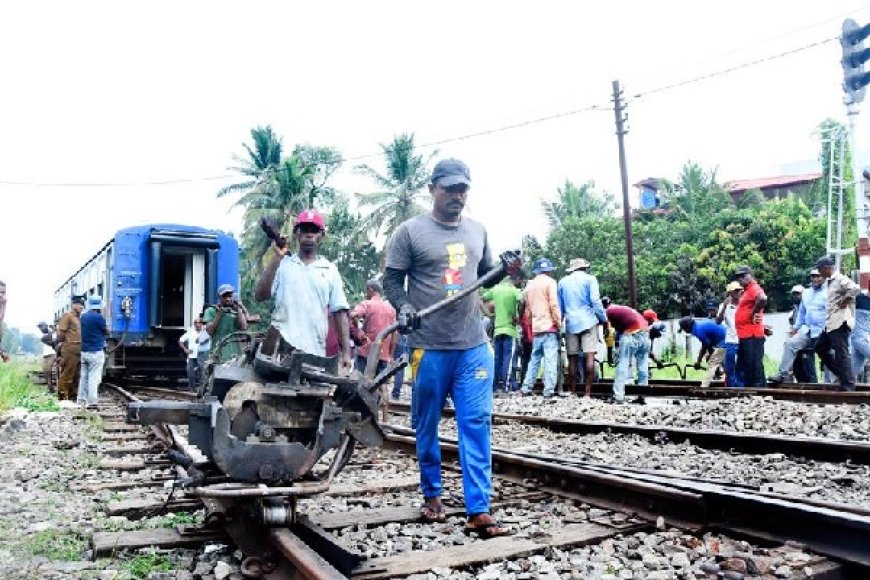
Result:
[144,563]
[172,520]
[89,461]
[56,545]
[93,424]
[16,390]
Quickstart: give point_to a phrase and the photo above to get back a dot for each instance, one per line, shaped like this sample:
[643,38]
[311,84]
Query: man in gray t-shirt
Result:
[439,254]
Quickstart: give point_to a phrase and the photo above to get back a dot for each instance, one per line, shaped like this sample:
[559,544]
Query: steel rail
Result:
[815,448]
[797,392]
[842,535]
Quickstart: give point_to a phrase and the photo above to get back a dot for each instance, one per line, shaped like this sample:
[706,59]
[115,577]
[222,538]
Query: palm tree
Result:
[402,194]
[577,201]
[263,155]
[281,193]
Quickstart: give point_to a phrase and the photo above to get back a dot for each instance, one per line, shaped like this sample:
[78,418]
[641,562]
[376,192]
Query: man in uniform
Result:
[223,319]
[49,354]
[438,254]
[69,334]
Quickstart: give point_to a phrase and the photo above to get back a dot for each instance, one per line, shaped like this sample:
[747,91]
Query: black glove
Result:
[512,262]
[408,319]
[660,364]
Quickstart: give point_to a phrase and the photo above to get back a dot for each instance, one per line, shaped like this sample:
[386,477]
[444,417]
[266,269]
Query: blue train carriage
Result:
[154,281]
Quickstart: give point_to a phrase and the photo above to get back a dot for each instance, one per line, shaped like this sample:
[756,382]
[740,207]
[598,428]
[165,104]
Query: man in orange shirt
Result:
[749,323]
[541,302]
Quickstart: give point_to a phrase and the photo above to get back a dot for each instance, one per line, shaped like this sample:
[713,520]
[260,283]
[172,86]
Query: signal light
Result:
[854,56]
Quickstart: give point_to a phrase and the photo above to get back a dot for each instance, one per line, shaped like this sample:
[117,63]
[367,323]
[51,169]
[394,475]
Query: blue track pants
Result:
[467,376]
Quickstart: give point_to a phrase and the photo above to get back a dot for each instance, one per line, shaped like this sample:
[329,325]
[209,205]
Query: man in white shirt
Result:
[195,343]
[725,316]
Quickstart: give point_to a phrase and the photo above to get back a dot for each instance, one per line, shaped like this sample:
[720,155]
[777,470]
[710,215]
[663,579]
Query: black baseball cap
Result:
[742,270]
[449,172]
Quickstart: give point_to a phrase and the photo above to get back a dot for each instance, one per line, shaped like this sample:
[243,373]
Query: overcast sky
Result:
[109,92]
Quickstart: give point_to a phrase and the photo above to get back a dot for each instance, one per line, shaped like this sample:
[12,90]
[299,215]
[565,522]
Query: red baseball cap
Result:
[650,315]
[309,216]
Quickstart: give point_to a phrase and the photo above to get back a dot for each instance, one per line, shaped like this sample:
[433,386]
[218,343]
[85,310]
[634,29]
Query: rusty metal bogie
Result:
[272,420]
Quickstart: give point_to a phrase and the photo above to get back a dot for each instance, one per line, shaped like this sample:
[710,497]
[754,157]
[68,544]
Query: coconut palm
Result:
[577,201]
[402,194]
[265,153]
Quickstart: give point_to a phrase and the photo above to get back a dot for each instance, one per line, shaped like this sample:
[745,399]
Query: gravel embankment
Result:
[775,472]
[751,414]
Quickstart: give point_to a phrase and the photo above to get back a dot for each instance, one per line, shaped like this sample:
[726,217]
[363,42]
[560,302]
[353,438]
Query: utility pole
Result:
[619,111]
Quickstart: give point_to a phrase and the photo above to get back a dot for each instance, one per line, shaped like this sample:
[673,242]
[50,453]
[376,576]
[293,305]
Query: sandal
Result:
[432,513]
[487,530]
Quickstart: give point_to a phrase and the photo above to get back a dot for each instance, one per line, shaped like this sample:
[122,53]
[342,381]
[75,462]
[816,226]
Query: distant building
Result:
[775,187]
[649,191]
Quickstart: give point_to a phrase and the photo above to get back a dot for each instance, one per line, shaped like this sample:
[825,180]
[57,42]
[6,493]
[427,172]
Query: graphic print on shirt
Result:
[452,276]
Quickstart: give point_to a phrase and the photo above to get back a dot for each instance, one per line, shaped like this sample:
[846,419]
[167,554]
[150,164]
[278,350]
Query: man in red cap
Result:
[304,286]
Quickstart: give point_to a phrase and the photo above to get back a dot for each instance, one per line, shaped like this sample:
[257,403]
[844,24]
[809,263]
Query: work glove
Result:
[512,262]
[408,319]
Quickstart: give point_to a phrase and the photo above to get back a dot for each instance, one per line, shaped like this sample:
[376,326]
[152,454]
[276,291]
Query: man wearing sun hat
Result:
[725,317]
[580,303]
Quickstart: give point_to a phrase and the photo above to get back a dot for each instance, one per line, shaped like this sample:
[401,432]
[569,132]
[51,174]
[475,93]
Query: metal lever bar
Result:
[372,362]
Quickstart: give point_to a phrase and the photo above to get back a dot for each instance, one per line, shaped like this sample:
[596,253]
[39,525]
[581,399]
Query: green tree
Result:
[262,155]
[577,201]
[402,192]
[349,249]
[685,258]
[279,190]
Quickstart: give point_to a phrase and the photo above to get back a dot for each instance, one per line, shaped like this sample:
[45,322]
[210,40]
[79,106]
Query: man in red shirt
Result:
[375,314]
[633,332]
[749,323]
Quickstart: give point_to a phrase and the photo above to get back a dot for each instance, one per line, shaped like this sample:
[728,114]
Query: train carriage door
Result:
[175,270]
[182,286]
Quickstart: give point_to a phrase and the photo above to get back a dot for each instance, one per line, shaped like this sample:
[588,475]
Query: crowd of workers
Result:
[441,254]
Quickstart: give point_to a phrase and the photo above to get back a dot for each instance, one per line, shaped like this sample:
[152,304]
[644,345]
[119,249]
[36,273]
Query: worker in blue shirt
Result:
[808,325]
[712,338]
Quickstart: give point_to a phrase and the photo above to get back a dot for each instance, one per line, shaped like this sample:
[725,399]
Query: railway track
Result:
[691,389]
[809,447]
[366,525]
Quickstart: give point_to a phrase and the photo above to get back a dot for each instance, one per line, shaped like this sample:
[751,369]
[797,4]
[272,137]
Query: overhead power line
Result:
[501,129]
[734,68]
